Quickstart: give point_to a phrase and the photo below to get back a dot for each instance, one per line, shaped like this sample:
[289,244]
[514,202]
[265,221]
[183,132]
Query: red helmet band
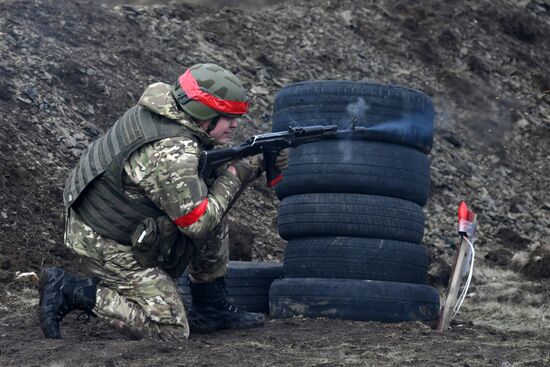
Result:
[189,85]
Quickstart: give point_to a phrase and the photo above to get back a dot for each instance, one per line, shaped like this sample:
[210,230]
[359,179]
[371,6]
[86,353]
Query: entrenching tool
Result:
[463,266]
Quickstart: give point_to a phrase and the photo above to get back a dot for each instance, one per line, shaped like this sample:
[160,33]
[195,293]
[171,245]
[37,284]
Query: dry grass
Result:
[504,300]
[509,317]
[21,300]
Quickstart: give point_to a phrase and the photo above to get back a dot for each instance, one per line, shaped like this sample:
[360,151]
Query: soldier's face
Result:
[224,129]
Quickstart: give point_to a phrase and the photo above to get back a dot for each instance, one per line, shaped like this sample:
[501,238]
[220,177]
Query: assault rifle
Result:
[269,144]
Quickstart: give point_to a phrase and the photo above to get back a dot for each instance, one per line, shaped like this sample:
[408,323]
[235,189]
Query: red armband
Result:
[193,216]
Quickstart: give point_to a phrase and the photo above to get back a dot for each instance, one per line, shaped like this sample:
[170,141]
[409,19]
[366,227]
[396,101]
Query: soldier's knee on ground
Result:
[152,331]
[173,333]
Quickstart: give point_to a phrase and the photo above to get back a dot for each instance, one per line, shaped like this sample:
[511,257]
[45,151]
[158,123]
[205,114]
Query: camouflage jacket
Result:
[166,171]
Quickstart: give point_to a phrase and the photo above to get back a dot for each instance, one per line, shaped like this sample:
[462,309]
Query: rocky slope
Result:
[68,72]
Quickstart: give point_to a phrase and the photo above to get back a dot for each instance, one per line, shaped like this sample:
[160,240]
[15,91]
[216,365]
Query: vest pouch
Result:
[146,242]
[159,243]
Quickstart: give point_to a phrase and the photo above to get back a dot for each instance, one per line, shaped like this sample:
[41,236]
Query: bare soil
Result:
[291,342]
[69,69]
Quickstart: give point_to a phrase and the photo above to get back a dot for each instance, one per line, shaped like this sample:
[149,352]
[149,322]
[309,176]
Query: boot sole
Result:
[222,324]
[45,275]
[245,325]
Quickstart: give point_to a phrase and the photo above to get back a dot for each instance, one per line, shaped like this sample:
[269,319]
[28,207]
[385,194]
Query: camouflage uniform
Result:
[144,302]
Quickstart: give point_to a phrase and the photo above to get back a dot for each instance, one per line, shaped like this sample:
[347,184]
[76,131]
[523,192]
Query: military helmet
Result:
[206,91]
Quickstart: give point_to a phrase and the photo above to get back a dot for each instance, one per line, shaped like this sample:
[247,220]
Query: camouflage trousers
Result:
[142,302]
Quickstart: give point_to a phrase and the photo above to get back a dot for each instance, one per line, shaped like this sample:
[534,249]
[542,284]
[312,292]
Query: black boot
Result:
[211,311]
[60,293]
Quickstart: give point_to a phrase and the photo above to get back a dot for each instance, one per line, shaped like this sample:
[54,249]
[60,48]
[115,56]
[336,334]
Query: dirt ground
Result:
[293,342]
[70,68]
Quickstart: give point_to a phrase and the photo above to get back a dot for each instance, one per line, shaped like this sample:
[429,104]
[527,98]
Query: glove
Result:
[217,173]
[258,161]
[247,170]
[281,162]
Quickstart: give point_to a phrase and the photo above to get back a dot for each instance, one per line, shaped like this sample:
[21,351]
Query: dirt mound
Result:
[69,69]
[534,264]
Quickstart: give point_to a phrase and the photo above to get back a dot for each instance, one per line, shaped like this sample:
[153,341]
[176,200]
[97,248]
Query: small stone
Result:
[24,100]
[346,17]
[259,90]
[31,92]
[522,123]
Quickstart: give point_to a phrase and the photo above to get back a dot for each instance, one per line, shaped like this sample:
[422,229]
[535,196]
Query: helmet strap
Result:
[213,123]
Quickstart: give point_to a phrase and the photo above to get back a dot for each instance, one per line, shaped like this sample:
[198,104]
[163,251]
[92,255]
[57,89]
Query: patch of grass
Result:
[509,316]
[487,274]
[17,302]
[505,300]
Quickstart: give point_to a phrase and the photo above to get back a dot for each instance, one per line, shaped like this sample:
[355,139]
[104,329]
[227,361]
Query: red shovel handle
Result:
[466,220]
[463,211]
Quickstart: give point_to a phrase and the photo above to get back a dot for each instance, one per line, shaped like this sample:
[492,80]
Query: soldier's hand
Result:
[247,170]
[258,162]
[281,162]
[220,171]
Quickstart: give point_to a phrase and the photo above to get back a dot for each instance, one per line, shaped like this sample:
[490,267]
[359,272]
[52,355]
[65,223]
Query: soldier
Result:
[138,214]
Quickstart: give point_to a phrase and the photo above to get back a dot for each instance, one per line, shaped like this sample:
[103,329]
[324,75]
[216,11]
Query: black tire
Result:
[356,258]
[247,284]
[364,300]
[253,271]
[394,114]
[350,215]
[356,166]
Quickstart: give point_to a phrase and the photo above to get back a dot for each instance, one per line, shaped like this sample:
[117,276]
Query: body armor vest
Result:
[94,187]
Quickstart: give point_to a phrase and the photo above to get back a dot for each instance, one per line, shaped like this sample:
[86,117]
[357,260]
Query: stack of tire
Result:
[351,210]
